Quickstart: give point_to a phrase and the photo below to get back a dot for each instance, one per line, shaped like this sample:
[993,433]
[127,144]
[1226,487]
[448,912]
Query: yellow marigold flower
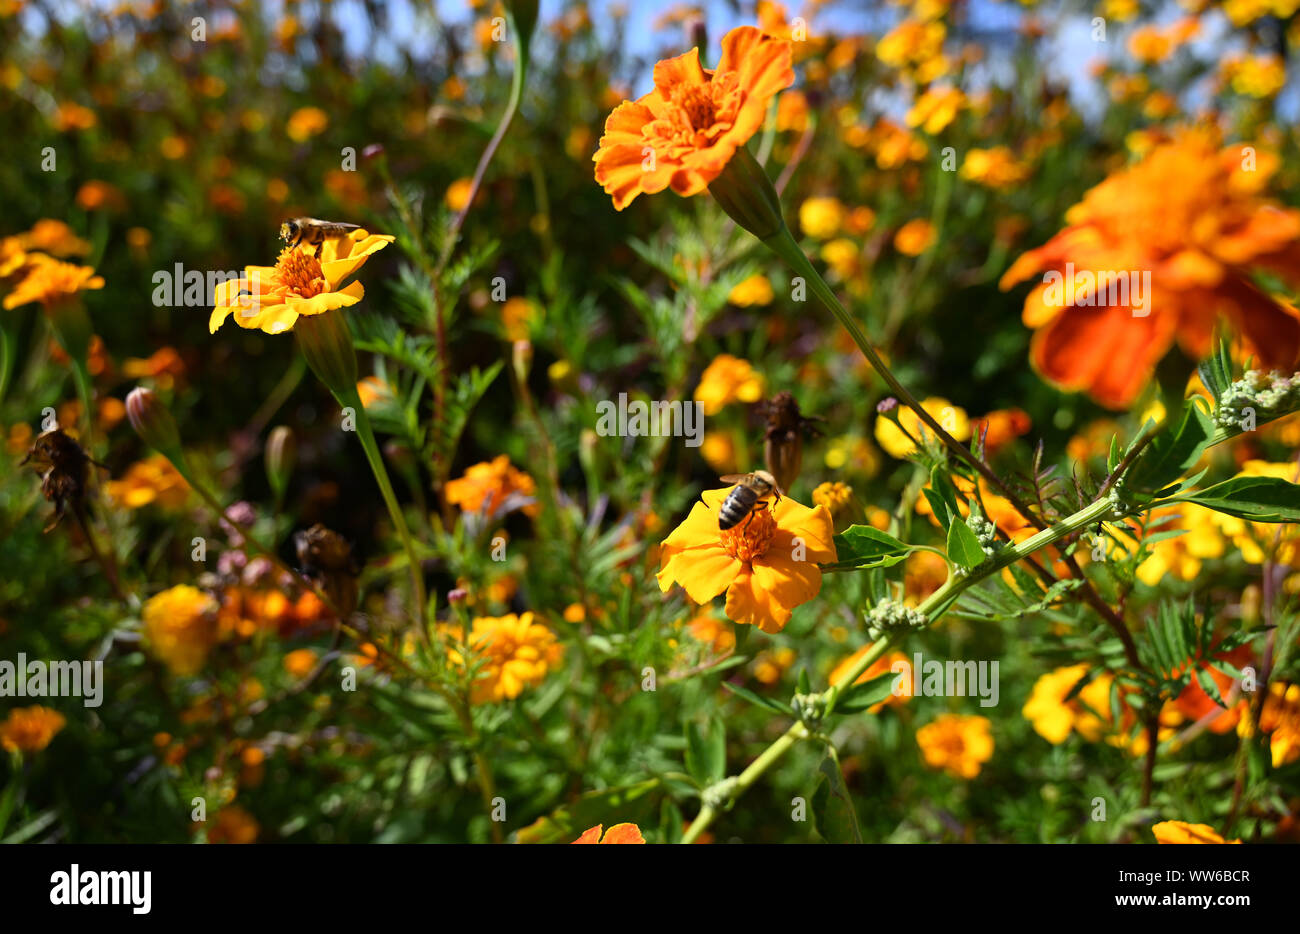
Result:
[957,744]
[792,112]
[719,451]
[272,297]
[694,120]
[843,256]
[457,196]
[935,109]
[1120,11]
[911,42]
[951,418]
[232,824]
[894,146]
[1053,717]
[619,833]
[849,452]
[1255,75]
[575,613]
[511,652]
[152,480]
[835,496]
[994,168]
[306,122]
[914,237]
[821,218]
[51,281]
[1176,831]
[756,290]
[1151,45]
[486,486]
[180,628]
[300,662]
[728,379]
[765,572]
[30,729]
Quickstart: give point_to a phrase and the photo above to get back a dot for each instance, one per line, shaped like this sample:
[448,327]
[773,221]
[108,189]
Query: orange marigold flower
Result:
[1187,225]
[509,653]
[619,833]
[30,729]
[767,565]
[54,237]
[306,122]
[300,283]
[914,237]
[694,120]
[486,486]
[959,745]
[51,281]
[1176,831]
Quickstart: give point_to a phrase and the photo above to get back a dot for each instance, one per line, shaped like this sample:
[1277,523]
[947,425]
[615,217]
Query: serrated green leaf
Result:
[862,696]
[1174,451]
[862,546]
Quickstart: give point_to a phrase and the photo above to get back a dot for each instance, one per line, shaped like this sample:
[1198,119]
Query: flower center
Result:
[696,100]
[752,537]
[299,272]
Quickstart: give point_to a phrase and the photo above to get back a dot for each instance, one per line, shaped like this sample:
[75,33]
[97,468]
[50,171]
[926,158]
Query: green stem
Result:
[933,607]
[783,244]
[351,398]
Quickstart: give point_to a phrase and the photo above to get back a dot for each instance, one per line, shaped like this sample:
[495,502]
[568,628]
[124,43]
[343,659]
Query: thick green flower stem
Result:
[371,447]
[933,608]
[782,243]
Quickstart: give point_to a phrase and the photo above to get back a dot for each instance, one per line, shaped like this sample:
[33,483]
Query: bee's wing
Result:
[733,477]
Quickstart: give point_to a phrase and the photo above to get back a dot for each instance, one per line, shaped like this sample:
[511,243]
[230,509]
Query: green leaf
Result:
[862,546]
[858,697]
[938,507]
[706,752]
[964,545]
[758,700]
[1259,499]
[833,812]
[1174,451]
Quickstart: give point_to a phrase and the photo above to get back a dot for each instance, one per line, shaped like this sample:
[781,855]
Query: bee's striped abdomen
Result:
[736,506]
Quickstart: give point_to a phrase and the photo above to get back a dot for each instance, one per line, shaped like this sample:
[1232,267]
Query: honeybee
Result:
[313,230]
[747,497]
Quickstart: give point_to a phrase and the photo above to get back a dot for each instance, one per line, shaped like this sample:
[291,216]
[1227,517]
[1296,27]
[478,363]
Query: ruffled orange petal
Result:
[790,583]
[703,571]
[623,833]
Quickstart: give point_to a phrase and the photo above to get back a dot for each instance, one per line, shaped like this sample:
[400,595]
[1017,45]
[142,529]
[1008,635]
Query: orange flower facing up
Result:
[512,652]
[684,132]
[271,298]
[619,833]
[30,729]
[152,480]
[767,565]
[51,281]
[1156,254]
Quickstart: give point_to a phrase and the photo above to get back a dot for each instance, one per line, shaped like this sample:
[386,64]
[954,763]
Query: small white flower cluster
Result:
[890,615]
[809,708]
[985,531]
[1262,393]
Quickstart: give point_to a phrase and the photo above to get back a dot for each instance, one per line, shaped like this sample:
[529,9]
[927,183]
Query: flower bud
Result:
[746,194]
[152,421]
[326,343]
[522,359]
[280,454]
